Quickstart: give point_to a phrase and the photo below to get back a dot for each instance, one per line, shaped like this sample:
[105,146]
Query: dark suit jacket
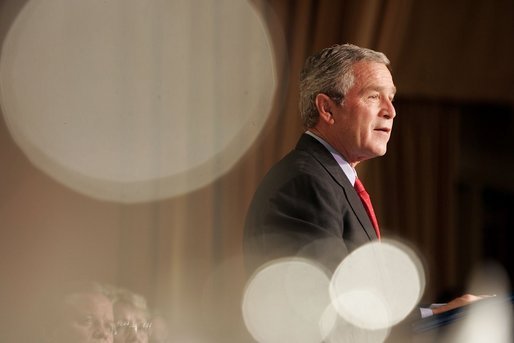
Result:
[305,206]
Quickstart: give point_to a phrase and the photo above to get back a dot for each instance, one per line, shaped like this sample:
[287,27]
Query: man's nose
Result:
[388,109]
[134,337]
[102,333]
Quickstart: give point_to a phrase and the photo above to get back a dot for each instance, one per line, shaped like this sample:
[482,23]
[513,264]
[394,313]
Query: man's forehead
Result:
[125,311]
[373,75]
[89,302]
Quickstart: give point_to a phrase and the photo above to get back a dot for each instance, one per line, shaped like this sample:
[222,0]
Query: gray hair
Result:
[57,302]
[330,72]
[121,295]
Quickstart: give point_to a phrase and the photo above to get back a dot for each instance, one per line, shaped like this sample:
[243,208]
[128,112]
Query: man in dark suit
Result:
[311,203]
[307,204]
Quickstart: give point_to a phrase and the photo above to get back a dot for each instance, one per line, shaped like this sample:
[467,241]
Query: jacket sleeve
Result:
[302,218]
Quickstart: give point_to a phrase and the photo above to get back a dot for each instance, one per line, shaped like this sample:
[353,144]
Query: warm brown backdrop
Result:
[445,185]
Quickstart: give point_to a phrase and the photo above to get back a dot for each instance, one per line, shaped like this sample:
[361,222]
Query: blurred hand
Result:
[458,302]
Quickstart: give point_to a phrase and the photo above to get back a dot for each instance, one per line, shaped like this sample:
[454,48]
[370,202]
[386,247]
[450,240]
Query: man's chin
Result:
[378,152]
[381,151]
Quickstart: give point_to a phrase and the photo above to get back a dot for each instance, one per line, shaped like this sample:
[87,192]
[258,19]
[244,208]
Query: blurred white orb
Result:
[491,318]
[286,301]
[377,285]
[136,100]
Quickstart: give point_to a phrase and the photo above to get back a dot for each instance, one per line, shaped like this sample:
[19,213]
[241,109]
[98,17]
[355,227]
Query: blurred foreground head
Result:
[160,330]
[131,317]
[81,314]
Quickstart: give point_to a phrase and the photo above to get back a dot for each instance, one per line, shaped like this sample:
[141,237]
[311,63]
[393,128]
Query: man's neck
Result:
[347,168]
[326,140]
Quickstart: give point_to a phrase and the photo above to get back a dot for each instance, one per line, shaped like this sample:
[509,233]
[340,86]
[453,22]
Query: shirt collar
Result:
[348,170]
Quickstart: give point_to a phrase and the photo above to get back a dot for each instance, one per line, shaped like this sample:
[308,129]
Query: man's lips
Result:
[383,129]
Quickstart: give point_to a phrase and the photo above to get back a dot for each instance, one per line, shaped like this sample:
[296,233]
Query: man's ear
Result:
[324,105]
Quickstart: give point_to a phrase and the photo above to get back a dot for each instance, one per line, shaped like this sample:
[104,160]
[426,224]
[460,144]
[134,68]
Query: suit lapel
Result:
[325,158]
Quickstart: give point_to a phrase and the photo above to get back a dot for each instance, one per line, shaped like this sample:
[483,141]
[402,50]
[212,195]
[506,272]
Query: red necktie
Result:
[366,201]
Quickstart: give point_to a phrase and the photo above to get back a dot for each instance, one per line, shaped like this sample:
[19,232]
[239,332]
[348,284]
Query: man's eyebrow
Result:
[380,89]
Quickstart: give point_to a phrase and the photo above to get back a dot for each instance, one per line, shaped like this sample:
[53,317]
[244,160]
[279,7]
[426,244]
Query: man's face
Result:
[363,122]
[132,324]
[88,318]
[160,330]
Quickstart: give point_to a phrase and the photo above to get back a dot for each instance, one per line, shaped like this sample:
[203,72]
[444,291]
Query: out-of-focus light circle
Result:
[340,331]
[377,285]
[491,318]
[286,301]
[485,323]
[131,100]
[356,304]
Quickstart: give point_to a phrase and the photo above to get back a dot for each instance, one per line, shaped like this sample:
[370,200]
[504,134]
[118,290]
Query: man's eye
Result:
[85,321]
[373,96]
